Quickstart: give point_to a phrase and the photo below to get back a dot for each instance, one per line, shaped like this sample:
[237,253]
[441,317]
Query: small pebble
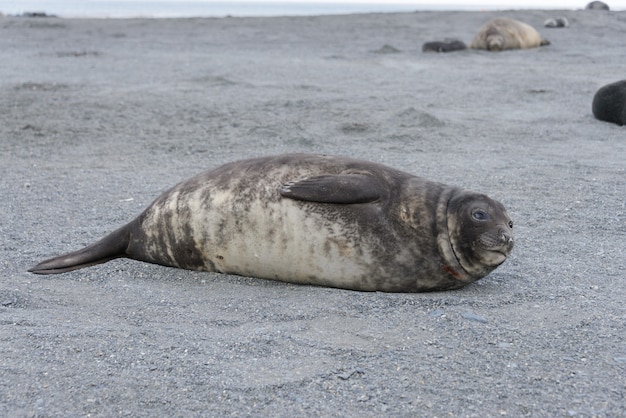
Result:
[436,313]
[473,317]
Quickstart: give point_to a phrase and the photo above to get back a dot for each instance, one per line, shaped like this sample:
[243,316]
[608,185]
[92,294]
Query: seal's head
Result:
[481,232]
[494,39]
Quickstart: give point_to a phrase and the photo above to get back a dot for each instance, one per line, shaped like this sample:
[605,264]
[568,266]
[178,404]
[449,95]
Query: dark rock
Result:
[445,46]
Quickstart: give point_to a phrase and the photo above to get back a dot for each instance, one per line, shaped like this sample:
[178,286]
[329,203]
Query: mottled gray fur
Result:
[314,219]
[501,33]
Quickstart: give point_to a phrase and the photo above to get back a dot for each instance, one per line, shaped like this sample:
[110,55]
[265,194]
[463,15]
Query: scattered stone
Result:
[436,313]
[78,54]
[387,49]
[354,127]
[37,14]
[12,299]
[448,45]
[471,316]
[347,375]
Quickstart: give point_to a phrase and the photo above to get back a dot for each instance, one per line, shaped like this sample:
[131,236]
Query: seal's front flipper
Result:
[112,246]
[340,188]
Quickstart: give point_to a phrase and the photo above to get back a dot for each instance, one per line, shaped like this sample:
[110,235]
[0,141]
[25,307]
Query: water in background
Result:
[162,8]
[122,8]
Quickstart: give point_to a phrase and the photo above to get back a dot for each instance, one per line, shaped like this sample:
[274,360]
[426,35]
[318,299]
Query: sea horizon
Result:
[181,9]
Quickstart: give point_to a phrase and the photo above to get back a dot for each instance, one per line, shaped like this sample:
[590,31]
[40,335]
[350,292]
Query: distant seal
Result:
[597,5]
[556,22]
[502,33]
[314,219]
[445,46]
[609,103]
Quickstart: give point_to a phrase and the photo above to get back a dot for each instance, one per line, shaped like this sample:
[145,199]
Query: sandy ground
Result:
[97,117]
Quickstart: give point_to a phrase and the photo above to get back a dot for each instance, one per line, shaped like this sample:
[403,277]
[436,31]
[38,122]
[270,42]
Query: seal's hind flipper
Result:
[340,188]
[112,246]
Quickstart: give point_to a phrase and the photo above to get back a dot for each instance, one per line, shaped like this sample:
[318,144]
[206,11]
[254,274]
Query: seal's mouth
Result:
[500,242]
[494,248]
[496,257]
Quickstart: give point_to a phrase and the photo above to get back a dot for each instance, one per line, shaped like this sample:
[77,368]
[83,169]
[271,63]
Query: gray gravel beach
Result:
[98,117]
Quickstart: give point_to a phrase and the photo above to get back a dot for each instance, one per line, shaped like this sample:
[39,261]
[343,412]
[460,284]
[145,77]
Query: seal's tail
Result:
[112,246]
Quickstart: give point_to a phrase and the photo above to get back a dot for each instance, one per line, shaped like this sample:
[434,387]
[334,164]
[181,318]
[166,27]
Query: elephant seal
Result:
[597,5]
[556,22]
[609,103]
[314,219]
[448,45]
[503,33]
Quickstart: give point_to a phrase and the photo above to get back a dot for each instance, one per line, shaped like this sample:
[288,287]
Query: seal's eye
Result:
[511,224]
[480,215]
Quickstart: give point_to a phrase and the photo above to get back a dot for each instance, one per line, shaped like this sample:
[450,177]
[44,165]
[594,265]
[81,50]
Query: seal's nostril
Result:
[505,238]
